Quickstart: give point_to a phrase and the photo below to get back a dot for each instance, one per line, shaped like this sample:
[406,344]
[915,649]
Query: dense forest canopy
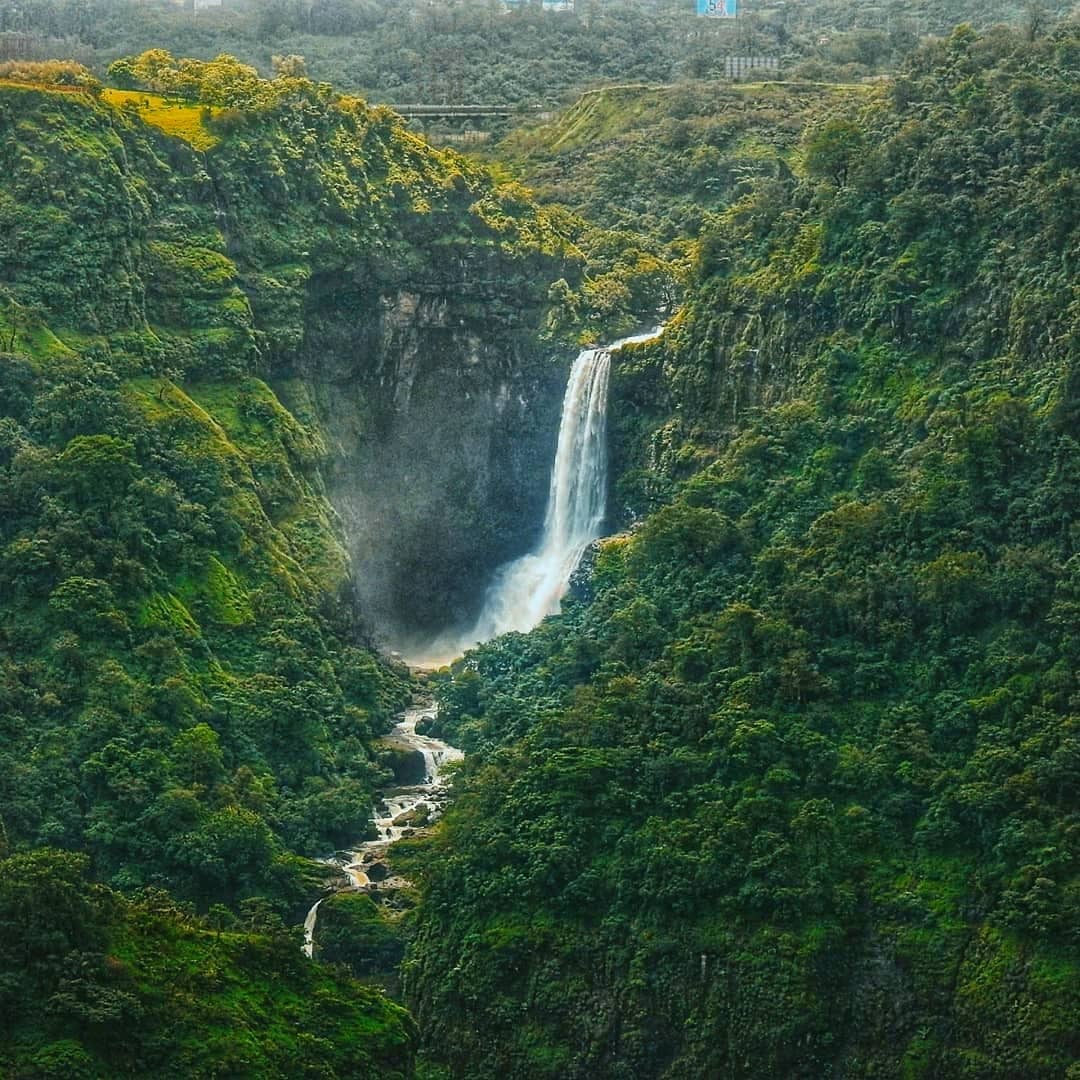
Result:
[645,170]
[187,695]
[788,789]
[99,985]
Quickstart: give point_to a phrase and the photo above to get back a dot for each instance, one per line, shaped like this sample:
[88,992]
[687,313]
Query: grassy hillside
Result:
[182,119]
[788,789]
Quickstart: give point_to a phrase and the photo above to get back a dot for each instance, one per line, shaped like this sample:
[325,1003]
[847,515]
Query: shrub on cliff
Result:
[92,984]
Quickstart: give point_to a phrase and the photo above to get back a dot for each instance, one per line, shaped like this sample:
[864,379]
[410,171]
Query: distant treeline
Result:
[478,50]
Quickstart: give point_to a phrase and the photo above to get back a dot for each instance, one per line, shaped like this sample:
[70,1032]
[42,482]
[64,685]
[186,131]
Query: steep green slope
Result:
[99,986]
[643,170]
[789,789]
[658,161]
[183,694]
[212,307]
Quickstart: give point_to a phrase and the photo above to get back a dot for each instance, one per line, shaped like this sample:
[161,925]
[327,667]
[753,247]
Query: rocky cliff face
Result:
[410,315]
[441,415]
[316,330]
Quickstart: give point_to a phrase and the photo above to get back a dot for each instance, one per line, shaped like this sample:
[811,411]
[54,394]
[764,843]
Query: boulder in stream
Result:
[406,763]
[418,816]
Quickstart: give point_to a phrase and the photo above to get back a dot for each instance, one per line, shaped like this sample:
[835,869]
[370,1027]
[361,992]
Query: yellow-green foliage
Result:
[287,525]
[195,304]
[279,451]
[611,113]
[22,332]
[218,593]
[200,269]
[600,115]
[250,413]
[221,81]
[165,611]
[228,599]
[59,73]
[164,401]
[181,119]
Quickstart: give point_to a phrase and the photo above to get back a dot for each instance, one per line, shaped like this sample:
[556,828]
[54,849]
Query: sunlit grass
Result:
[182,119]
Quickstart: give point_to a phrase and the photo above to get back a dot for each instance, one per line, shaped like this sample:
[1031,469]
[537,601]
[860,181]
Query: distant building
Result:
[718,9]
[738,67]
[548,5]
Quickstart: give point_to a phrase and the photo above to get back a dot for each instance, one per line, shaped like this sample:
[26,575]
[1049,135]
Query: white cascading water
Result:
[309,929]
[526,590]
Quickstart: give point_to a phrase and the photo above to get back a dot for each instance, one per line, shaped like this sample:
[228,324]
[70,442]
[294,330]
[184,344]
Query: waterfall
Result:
[523,591]
[526,590]
[309,929]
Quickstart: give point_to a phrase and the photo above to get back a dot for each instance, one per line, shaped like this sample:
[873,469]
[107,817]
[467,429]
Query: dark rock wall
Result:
[441,407]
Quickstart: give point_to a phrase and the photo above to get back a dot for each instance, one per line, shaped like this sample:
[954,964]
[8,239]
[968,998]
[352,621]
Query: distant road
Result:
[457,111]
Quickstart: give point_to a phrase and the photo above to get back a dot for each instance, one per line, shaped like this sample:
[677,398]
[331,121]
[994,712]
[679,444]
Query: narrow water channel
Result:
[398,810]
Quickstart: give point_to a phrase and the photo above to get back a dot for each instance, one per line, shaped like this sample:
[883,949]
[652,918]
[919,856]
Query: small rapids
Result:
[430,792]
[392,807]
